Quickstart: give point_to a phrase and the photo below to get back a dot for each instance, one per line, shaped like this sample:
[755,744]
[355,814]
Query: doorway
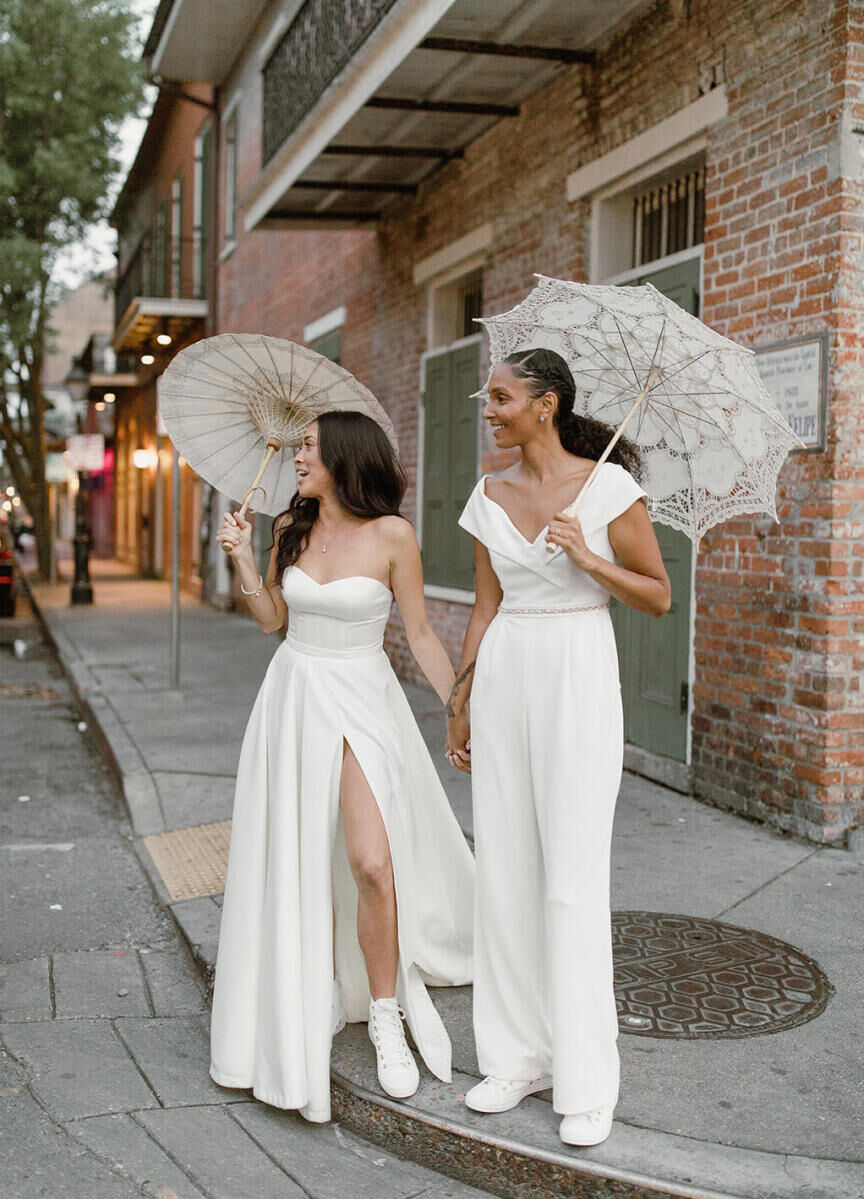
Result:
[654,655]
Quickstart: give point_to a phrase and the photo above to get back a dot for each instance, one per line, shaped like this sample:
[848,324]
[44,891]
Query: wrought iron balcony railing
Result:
[162,267]
[318,43]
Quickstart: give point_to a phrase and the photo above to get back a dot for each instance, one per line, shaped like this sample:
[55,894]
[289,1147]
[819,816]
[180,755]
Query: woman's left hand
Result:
[457,751]
[566,532]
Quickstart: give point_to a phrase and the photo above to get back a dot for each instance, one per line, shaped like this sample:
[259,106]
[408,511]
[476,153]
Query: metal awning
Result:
[147,316]
[371,119]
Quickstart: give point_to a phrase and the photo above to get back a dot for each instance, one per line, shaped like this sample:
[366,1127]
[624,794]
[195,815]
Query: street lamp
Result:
[78,386]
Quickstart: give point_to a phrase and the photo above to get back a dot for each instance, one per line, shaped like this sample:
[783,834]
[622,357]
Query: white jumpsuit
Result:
[546,749]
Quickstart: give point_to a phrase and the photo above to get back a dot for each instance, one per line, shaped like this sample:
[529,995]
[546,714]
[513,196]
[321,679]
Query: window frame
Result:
[202,186]
[229,216]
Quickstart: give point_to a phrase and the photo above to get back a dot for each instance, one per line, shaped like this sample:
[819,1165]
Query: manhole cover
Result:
[682,976]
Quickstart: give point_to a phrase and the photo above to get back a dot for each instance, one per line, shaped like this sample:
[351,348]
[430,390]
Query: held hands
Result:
[566,532]
[235,535]
[458,748]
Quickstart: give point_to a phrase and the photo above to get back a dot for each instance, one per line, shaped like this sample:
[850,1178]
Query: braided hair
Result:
[544,370]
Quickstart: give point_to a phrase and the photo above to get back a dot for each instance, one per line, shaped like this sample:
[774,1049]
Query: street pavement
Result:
[776,1116]
[104,1090]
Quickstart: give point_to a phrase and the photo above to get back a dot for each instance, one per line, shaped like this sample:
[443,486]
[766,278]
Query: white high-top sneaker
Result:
[587,1128]
[397,1070]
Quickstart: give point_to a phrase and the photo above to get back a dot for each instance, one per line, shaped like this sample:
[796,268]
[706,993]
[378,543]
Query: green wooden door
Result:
[449,464]
[654,655]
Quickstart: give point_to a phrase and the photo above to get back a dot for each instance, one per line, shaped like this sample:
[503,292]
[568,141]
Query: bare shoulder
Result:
[502,481]
[396,532]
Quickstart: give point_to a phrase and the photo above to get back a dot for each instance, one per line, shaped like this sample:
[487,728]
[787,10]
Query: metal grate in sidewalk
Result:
[192,861]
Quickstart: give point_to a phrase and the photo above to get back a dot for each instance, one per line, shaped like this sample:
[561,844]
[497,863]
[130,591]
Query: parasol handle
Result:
[570,510]
[274,445]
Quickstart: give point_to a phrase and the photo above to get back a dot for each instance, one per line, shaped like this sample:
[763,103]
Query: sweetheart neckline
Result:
[341,579]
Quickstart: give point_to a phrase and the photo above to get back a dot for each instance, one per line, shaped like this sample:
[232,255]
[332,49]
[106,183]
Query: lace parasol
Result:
[234,402]
[711,437]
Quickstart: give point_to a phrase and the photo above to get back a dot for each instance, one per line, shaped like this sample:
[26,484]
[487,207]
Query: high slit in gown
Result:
[289,891]
[546,755]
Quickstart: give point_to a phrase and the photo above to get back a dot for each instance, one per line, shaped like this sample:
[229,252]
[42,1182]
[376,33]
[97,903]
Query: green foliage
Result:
[69,76]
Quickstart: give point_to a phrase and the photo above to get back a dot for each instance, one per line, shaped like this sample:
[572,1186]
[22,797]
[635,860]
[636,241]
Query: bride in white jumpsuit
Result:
[546,743]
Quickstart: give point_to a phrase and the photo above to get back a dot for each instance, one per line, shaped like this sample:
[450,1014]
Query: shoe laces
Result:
[389,1035]
[595,1117]
[507,1084]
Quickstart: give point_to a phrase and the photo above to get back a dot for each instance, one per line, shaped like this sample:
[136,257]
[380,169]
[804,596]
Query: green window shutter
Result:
[449,465]
[330,345]
[436,450]
[161,263]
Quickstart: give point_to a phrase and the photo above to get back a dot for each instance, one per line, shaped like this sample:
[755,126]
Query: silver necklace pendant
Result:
[323,549]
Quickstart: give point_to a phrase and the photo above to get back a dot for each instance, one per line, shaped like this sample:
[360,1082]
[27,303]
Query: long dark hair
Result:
[367,478]
[544,370]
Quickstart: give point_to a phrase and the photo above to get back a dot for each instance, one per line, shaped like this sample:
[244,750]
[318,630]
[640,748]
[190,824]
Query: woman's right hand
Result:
[235,535]
[458,749]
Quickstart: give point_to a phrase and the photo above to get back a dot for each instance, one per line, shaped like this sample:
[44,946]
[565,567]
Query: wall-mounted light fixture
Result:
[148,359]
[142,459]
[164,339]
[99,406]
[109,397]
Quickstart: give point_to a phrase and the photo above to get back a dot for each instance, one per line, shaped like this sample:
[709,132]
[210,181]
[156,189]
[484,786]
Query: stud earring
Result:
[542,417]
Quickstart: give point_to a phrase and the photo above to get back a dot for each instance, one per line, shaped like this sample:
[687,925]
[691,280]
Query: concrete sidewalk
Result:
[760,1116]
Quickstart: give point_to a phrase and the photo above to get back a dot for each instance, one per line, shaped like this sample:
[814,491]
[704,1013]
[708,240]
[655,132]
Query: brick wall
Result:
[777,699]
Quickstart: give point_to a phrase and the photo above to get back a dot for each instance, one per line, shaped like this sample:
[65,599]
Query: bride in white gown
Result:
[349,884]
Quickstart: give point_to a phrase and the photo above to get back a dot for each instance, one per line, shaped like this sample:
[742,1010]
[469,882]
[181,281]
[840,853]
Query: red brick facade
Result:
[777,716]
[143,495]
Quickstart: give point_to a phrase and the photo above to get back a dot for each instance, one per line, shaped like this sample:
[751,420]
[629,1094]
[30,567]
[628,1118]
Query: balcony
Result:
[160,291]
[364,99]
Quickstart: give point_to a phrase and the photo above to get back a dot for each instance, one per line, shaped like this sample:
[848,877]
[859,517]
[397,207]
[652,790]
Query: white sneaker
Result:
[337,1010]
[587,1128]
[397,1070]
[501,1094]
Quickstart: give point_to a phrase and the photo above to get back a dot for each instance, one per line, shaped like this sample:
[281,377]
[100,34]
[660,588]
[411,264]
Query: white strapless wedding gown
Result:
[289,889]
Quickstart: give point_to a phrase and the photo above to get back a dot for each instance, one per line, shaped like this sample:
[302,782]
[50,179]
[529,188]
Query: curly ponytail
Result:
[544,370]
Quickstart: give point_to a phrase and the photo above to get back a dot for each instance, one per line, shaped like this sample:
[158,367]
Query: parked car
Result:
[7,574]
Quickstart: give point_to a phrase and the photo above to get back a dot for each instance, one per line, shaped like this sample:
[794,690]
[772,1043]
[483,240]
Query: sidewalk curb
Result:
[496,1155]
[117,747]
[197,919]
[476,1158]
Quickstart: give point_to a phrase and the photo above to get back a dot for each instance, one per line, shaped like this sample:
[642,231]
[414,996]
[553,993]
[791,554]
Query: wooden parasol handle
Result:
[274,445]
[570,510]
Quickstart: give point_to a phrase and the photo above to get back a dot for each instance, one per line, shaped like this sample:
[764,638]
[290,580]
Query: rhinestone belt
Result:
[506,610]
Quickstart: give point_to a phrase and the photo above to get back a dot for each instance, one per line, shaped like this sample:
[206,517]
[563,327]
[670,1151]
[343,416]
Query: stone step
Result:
[518,1155]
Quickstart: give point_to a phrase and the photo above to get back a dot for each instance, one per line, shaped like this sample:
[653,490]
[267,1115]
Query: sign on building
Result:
[795,372]
[56,468]
[86,451]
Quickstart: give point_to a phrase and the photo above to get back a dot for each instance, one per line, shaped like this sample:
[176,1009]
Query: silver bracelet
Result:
[243,590]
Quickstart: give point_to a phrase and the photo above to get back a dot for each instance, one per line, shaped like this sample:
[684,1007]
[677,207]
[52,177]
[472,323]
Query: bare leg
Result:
[369,859]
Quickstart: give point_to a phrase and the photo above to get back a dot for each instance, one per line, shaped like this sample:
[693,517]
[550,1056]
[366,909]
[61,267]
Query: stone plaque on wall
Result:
[795,372]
